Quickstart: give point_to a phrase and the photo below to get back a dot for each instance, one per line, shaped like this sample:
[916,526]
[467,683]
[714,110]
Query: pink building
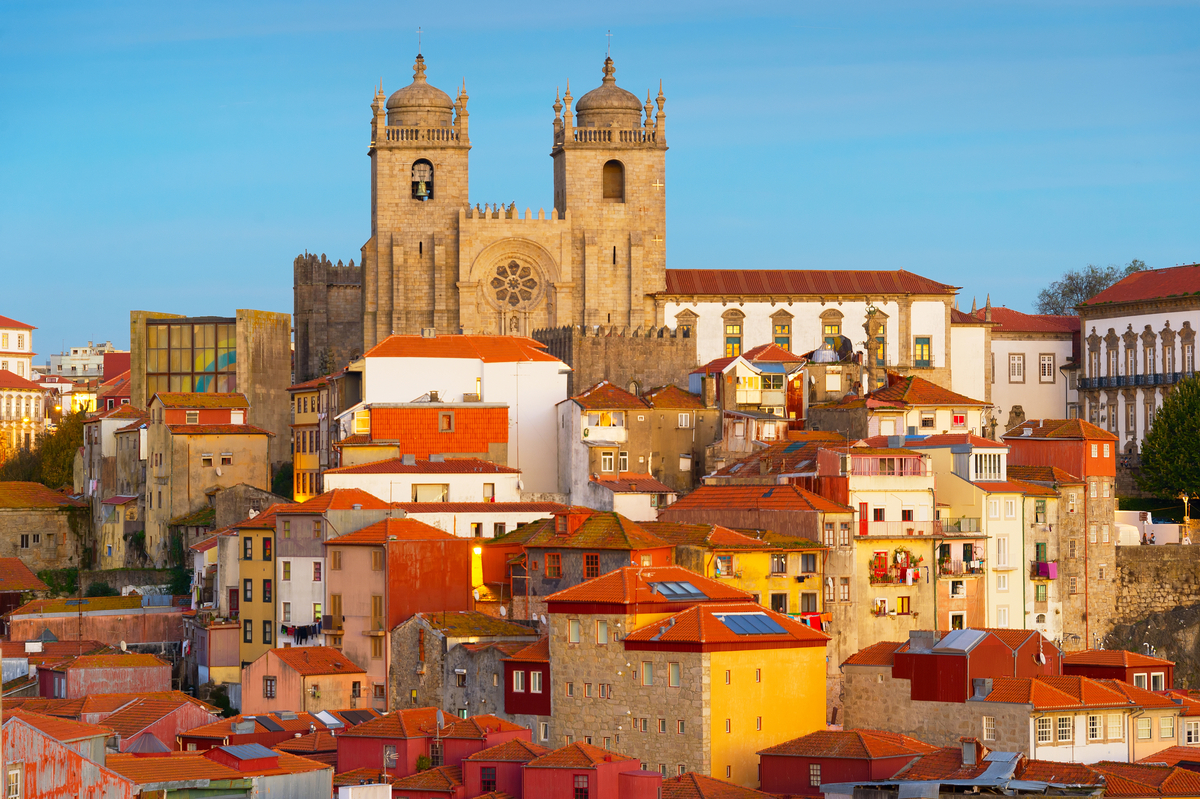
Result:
[94,674]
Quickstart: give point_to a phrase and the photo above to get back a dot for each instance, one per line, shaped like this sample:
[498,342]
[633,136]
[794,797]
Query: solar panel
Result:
[359,716]
[249,751]
[672,589]
[270,723]
[329,720]
[751,624]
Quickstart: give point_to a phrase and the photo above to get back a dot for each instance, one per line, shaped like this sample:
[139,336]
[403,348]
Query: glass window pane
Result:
[206,362]
[176,383]
[176,336]
[227,383]
[225,360]
[206,383]
[225,337]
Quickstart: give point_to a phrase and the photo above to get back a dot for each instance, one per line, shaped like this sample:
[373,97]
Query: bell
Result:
[421,193]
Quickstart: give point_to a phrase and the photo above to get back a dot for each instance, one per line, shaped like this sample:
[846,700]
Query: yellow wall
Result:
[752,573]
[256,610]
[790,700]
[303,422]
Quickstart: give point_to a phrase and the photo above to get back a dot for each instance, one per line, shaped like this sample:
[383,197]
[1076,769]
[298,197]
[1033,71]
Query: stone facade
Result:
[607,722]
[1155,579]
[45,538]
[327,315]
[635,360]
[434,261]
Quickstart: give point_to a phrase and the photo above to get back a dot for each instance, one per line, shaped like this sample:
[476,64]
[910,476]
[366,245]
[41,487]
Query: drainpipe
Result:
[1025,574]
[1133,732]
[1087,492]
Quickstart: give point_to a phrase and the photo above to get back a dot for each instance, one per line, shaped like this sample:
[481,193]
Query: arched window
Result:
[1041,619]
[614,182]
[422,180]
[634,389]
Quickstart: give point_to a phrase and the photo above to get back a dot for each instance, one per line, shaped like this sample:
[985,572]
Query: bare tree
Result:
[1077,285]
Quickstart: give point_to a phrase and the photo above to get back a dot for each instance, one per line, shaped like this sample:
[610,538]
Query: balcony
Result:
[749,396]
[965,524]
[960,568]
[1043,569]
[897,529]
[894,575]
[617,435]
[1125,381]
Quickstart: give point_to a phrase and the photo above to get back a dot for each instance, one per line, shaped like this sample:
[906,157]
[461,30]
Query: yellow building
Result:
[783,573]
[256,572]
[309,443]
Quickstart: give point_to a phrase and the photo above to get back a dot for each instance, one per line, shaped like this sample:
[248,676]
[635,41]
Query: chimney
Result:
[922,640]
[983,687]
[408,460]
[970,751]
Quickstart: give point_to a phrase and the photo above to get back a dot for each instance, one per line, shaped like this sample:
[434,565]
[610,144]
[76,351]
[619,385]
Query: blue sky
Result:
[177,156]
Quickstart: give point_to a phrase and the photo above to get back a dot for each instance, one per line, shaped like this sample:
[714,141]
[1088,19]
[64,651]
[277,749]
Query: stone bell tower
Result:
[419,173]
[610,175]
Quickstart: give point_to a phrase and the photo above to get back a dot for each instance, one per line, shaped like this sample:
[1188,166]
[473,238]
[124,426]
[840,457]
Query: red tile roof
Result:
[1112,657]
[1006,320]
[448,466]
[312,660]
[439,779]
[189,766]
[98,703]
[363,776]
[633,483]
[632,585]
[940,440]
[702,624]
[14,381]
[8,321]
[852,744]
[913,390]
[489,349]
[1138,696]
[338,499]
[882,653]
[192,401]
[1058,691]
[316,382]
[577,755]
[783,457]
[716,537]
[514,751]
[60,729]
[800,281]
[1015,487]
[672,397]
[946,764]
[217,430]
[757,497]
[698,786]
[1172,755]
[1152,284]
[319,741]
[419,431]
[129,660]
[547,508]
[17,494]
[600,530]
[89,604]
[1041,474]
[381,532]
[223,728]
[16,576]
[1141,779]
[534,653]
[1059,428]
[417,722]
[604,396]
[140,714]
[478,727]
[771,353]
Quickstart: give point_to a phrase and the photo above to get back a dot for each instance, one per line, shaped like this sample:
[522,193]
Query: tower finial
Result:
[418,40]
[608,52]
[974,307]
[609,71]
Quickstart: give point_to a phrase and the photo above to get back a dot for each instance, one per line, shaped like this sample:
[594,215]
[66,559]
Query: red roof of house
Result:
[1151,284]
[1142,779]
[913,390]
[771,353]
[538,652]
[8,321]
[448,466]
[698,786]
[319,741]
[577,755]
[474,624]
[140,714]
[217,430]
[1041,474]
[385,530]
[1052,692]
[1015,487]
[1139,696]
[18,494]
[940,440]
[1006,320]
[947,764]
[302,722]
[600,530]
[439,779]
[782,457]
[489,349]
[312,660]
[130,660]
[193,401]
[716,537]
[757,497]
[189,766]
[702,624]
[633,585]
[338,499]
[1172,755]
[604,396]
[852,744]
[97,703]
[672,397]
[15,381]
[882,653]
[316,382]
[60,729]
[633,483]
[800,281]
[16,576]
[1059,428]
[478,727]
[1112,657]
[417,722]
[514,751]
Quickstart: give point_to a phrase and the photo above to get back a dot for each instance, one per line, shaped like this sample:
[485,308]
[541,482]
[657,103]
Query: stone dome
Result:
[608,105]
[419,104]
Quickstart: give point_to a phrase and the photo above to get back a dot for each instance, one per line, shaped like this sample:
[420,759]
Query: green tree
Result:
[1171,451]
[281,484]
[1077,285]
[52,463]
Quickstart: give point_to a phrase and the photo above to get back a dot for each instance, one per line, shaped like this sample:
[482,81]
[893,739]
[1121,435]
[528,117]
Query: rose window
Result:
[514,284]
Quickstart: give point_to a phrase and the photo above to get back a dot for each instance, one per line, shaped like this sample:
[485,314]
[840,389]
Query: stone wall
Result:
[327,314]
[43,538]
[649,357]
[119,578]
[1156,579]
[414,670]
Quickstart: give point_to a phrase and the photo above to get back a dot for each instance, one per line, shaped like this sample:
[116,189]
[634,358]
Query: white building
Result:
[16,347]
[407,479]
[81,362]
[22,412]
[479,519]
[511,370]
[1139,339]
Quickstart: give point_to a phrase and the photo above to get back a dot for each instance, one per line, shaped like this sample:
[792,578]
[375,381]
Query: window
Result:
[1001,582]
[844,534]
[266,590]
[1066,728]
[1191,731]
[487,778]
[247,548]
[518,682]
[1166,727]
[601,631]
[647,673]
[1157,680]
[206,460]
[877,514]
[673,672]
[24,540]
[573,631]
[377,647]
[922,352]
[728,725]
[606,461]
[581,780]
[1139,680]
[247,631]
[266,549]
[1144,728]
[193,417]
[335,559]
[1095,732]
[1045,730]
[1039,592]
[544,730]
[1073,585]
[993,509]
[1046,368]
[591,566]
[376,560]
[553,565]
[535,682]
[14,782]
[1002,617]
[1016,368]
[844,589]
[317,572]
[1001,550]
[778,563]
[268,630]
[733,340]
[287,611]
[1010,509]
[1114,727]
[226,460]
[268,687]
[814,775]
[902,606]
[247,590]
[570,689]
[623,462]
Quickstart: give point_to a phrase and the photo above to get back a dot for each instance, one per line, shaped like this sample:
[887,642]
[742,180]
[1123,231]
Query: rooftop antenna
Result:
[608,51]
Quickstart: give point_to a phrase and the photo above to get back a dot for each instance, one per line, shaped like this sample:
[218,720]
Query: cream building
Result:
[16,347]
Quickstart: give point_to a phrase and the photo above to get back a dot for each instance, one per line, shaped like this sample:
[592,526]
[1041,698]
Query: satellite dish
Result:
[389,758]
[543,618]
[1040,658]
[441,720]
[503,611]
[475,594]
[123,646]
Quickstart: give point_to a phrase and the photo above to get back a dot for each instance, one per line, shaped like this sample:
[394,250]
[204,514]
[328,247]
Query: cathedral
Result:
[433,261]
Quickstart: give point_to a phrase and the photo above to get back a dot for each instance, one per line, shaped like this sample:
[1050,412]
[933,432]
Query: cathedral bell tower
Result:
[419,147]
[610,174]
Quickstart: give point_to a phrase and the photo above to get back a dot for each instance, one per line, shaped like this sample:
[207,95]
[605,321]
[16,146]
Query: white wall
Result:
[398,487]
[1040,399]
[929,319]
[968,374]
[302,592]
[459,523]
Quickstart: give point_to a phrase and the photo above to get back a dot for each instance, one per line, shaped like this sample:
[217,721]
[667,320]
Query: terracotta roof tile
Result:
[633,483]
[600,530]
[338,499]
[1151,284]
[8,321]
[18,494]
[140,714]
[856,744]
[1006,320]
[1112,657]
[448,466]
[882,653]
[1015,487]
[16,576]
[217,430]
[129,660]
[1138,696]
[538,652]
[716,537]
[222,728]
[1042,474]
[381,532]
[698,786]
[15,381]
[416,722]
[439,779]
[60,729]
[783,457]
[316,382]
[940,440]
[633,585]
[472,623]
[577,755]
[192,401]
[1059,428]
[672,397]
[757,497]
[604,396]
[312,660]
[746,282]
[478,727]
[363,776]
[67,605]
[319,741]
[489,349]
[1173,755]
[1142,779]
[913,390]
[702,624]
[513,751]
[188,766]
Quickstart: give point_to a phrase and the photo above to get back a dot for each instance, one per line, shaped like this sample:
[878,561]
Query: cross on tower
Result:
[608,52]
[658,184]
[418,40]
